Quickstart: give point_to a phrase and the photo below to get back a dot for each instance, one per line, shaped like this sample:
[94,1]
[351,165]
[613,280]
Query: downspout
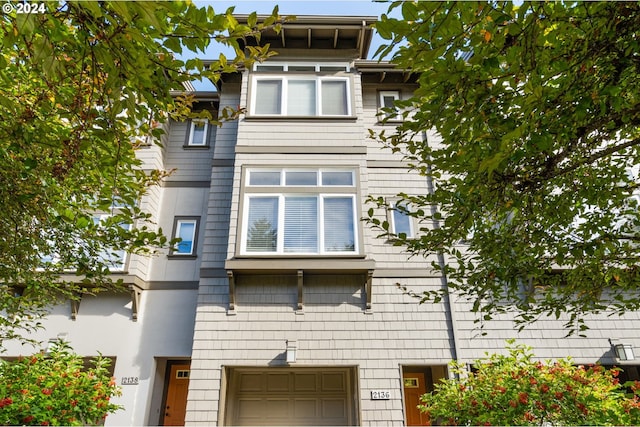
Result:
[452,319]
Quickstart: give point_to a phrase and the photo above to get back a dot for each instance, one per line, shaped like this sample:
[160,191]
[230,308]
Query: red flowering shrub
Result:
[516,390]
[56,389]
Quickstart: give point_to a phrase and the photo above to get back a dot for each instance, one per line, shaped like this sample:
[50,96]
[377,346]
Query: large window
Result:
[113,259]
[305,90]
[301,96]
[299,212]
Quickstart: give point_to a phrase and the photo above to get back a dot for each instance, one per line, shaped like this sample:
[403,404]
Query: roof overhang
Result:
[384,72]
[348,34]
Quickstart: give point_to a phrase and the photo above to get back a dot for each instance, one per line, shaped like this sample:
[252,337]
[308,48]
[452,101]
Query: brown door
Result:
[414,387]
[175,406]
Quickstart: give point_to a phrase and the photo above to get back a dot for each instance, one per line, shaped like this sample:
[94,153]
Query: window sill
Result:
[196,147]
[186,257]
[301,118]
[394,122]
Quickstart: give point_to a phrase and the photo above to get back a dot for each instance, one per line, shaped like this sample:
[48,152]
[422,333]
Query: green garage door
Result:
[291,396]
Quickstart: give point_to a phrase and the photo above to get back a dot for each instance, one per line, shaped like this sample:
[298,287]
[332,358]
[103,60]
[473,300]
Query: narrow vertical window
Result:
[262,229]
[185,229]
[401,221]
[388,110]
[301,224]
[198,133]
[339,224]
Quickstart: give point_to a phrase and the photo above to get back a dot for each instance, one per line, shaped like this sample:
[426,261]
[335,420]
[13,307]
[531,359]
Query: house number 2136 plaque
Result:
[380,395]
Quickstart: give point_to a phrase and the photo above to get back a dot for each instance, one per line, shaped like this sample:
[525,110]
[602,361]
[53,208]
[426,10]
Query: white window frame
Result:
[280,66]
[115,265]
[205,136]
[393,211]
[179,221]
[285,79]
[281,191]
[384,114]
[120,263]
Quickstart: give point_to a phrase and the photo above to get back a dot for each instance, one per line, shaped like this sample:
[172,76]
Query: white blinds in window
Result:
[300,229]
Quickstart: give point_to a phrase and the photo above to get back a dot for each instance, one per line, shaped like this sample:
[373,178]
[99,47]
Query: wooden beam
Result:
[136,293]
[75,305]
[300,308]
[368,290]
[232,293]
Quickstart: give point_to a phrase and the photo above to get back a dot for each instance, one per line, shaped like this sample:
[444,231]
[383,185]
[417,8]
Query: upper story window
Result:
[301,89]
[198,135]
[299,211]
[401,222]
[113,259]
[388,109]
[185,229]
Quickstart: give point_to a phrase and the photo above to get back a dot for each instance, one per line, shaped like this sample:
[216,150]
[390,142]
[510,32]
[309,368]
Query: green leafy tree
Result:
[536,163]
[56,389]
[81,84]
[514,389]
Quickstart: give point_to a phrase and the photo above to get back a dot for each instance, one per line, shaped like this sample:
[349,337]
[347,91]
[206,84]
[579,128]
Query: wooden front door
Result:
[414,387]
[175,406]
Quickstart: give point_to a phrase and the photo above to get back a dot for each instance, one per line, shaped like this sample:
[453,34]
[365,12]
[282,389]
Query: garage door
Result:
[283,396]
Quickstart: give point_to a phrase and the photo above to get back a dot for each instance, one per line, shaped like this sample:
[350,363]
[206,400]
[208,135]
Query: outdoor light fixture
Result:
[623,351]
[292,347]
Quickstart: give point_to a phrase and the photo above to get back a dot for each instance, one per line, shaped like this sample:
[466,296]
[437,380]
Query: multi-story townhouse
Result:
[280,306]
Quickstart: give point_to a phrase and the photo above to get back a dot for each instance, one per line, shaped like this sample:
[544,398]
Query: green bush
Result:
[56,389]
[516,390]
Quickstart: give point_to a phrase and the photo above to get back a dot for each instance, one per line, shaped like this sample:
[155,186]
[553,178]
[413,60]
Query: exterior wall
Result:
[104,325]
[548,337]
[334,329]
[188,164]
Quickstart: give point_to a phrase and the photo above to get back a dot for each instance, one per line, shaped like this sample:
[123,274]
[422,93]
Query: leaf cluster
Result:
[515,389]
[80,87]
[536,162]
[56,389]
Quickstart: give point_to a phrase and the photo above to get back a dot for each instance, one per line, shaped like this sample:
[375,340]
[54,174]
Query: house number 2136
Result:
[380,395]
